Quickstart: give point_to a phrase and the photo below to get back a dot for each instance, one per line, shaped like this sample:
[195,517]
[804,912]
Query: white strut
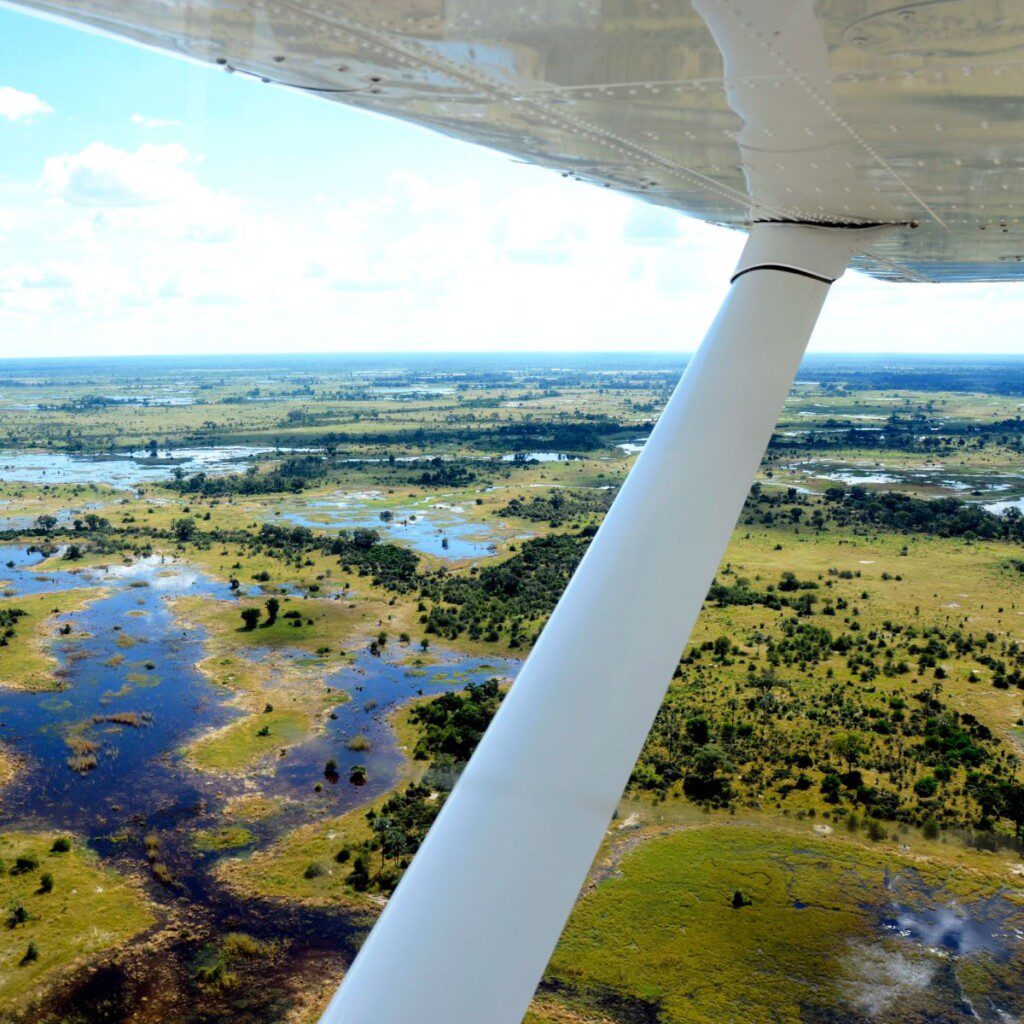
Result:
[470,929]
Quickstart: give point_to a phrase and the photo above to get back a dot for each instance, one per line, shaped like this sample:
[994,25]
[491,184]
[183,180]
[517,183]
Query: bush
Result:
[930,829]
[24,864]
[46,882]
[61,845]
[31,954]
[314,870]
[876,833]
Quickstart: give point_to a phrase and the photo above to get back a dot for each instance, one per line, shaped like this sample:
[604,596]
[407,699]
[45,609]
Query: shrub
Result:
[876,833]
[25,863]
[61,845]
[314,870]
[46,882]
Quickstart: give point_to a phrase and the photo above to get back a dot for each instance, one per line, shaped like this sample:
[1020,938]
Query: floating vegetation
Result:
[134,719]
[83,757]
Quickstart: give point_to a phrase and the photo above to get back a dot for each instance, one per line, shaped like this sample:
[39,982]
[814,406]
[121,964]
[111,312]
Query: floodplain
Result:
[255,615]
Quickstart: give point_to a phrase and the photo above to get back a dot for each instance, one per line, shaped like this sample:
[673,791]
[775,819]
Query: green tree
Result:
[849,746]
[184,528]
[250,616]
[46,523]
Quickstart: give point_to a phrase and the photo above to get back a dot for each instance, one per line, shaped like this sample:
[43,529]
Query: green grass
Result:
[663,932]
[26,663]
[229,837]
[90,909]
[242,745]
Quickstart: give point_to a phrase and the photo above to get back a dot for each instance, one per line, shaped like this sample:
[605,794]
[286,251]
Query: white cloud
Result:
[45,276]
[102,175]
[23,107]
[139,247]
[154,122]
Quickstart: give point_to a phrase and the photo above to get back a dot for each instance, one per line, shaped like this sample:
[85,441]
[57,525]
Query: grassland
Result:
[923,635]
[280,870]
[87,909]
[662,933]
[282,701]
[26,662]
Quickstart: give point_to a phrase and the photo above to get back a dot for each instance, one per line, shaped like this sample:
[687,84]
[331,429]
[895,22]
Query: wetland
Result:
[254,617]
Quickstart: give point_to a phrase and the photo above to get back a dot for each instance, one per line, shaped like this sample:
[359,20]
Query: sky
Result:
[152,206]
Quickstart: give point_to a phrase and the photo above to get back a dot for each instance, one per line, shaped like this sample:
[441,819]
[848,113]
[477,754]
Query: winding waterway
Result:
[128,656]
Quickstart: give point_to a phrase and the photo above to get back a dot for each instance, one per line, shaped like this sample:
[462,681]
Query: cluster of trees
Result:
[561,506]
[449,729]
[291,475]
[509,598]
[882,510]
[8,622]
[790,592]
[864,749]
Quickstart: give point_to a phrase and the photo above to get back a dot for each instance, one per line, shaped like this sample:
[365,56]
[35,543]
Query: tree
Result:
[184,528]
[46,523]
[250,616]
[273,607]
[849,746]
[1012,801]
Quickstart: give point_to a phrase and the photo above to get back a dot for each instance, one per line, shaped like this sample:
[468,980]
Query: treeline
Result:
[887,510]
[903,433]
[928,763]
[940,517]
[577,432]
[560,506]
[510,598]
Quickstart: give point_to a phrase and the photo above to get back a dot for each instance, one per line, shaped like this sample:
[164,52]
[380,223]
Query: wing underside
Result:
[733,111]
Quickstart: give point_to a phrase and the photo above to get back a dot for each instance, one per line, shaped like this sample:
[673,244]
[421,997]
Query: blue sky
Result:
[149,205]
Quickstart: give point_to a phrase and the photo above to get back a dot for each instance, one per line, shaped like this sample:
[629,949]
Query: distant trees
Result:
[273,607]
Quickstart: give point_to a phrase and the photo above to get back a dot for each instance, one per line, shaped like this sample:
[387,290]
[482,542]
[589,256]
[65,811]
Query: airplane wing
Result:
[857,112]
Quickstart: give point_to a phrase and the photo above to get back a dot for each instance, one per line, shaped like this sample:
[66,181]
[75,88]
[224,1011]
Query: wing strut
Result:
[470,929]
